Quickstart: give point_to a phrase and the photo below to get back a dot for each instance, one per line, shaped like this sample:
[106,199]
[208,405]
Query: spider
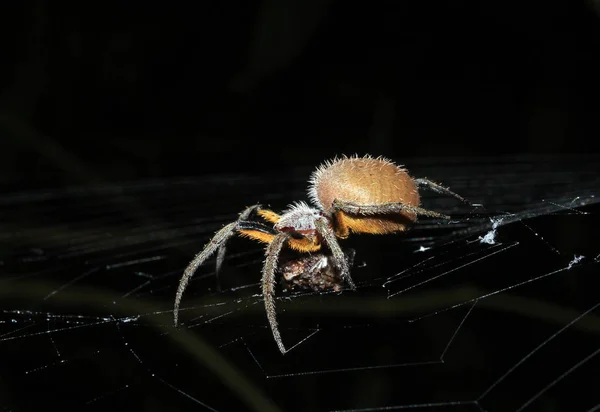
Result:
[349,194]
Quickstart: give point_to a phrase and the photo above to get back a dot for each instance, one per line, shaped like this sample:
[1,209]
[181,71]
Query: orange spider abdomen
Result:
[366,180]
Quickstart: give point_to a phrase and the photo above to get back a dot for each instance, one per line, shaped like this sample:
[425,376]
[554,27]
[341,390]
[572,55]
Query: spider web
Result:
[497,310]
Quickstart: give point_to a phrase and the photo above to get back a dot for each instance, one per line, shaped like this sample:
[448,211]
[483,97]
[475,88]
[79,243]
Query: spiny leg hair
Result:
[385,208]
[268,284]
[218,240]
[435,187]
[338,255]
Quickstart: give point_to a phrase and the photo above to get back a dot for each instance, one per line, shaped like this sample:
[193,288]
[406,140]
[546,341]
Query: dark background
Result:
[122,91]
[168,119]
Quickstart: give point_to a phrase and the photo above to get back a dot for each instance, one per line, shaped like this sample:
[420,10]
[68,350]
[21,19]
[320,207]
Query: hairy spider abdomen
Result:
[366,180]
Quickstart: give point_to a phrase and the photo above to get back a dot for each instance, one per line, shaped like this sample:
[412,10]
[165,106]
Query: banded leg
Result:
[385,208]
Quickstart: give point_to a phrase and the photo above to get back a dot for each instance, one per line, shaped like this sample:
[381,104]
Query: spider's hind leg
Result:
[381,209]
[437,188]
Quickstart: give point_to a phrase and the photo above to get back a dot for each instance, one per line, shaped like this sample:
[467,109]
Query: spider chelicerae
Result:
[349,195]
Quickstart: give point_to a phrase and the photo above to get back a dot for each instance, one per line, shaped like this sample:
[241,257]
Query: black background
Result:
[123,91]
[212,107]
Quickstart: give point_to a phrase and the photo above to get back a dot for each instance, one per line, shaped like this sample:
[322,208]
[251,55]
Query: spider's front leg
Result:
[254,230]
[244,216]
[268,283]
[381,209]
[218,239]
[338,255]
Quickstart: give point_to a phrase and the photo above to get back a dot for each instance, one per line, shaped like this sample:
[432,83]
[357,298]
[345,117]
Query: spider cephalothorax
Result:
[349,194]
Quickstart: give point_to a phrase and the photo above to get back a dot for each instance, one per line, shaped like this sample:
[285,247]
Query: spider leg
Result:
[217,243]
[435,187]
[245,215]
[341,229]
[219,263]
[218,239]
[385,208]
[268,215]
[338,255]
[268,284]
